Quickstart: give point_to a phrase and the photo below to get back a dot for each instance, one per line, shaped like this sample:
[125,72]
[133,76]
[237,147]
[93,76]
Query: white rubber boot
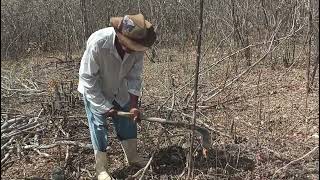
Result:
[101,162]
[130,150]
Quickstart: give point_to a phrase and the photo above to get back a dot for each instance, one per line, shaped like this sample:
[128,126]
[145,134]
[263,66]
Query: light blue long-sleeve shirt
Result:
[104,76]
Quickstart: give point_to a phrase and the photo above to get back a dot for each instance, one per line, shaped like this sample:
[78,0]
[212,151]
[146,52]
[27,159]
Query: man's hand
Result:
[112,112]
[135,114]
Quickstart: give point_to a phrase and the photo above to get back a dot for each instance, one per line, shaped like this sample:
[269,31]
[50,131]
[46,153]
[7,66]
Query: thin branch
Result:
[190,158]
[294,161]
[49,146]
[248,69]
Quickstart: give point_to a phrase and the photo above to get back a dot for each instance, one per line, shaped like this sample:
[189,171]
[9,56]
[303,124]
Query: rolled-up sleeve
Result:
[91,82]
[134,77]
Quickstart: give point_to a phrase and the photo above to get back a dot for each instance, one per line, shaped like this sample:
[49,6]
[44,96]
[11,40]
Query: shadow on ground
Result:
[171,161]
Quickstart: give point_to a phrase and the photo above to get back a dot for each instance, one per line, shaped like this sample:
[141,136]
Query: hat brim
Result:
[115,23]
[130,43]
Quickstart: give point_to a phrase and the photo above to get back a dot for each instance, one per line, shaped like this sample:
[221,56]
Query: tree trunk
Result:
[84,21]
[309,45]
[316,61]
[66,29]
[190,157]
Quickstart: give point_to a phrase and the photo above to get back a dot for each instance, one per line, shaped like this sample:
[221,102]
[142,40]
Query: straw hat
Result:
[134,32]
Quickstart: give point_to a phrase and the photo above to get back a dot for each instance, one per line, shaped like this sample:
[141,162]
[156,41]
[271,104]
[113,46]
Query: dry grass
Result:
[265,114]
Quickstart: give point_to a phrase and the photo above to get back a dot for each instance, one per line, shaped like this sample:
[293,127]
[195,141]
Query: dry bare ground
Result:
[262,126]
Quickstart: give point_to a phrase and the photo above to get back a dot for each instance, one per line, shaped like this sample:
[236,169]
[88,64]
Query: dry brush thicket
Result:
[257,91]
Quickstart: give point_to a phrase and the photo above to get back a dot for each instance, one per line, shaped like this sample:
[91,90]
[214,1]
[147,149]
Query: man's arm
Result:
[133,101]
[88,77]
[134,108]
[134,77]
[134,86]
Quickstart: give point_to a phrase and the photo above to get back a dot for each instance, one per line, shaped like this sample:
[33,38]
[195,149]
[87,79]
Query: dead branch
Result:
[58,143]
[294,161]
[41,153]
[146,167]
[21,130]
[52,57]
[203,131]
[6,157]
[248,69]
[205,70]
[67,154]
[11,121]
[7,143]
[142,170]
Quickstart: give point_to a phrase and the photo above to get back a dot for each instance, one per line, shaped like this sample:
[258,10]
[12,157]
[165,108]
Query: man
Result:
[110,81]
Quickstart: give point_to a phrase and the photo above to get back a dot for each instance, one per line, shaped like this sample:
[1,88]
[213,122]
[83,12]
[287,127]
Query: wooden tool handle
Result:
[124,114]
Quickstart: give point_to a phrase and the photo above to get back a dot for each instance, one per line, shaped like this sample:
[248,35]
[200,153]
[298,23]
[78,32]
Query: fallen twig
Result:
[203,131]
[146,167]
[7,143]
[41,153]
[294,161]
[57,143]
[87,171]
[20,131]
[6,157]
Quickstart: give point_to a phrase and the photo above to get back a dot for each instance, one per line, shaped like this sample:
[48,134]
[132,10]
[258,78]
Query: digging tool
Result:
[205,135]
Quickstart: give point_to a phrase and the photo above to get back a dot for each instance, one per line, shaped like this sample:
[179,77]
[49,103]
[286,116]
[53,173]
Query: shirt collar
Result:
[109,42]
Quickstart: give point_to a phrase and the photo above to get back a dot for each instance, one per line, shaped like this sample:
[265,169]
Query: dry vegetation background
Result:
[258,88]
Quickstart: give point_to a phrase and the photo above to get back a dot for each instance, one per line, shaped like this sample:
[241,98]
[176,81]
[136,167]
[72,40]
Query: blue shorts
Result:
[124,127]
